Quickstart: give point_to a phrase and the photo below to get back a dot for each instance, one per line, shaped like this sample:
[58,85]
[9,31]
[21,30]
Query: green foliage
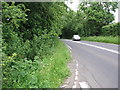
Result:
[44,18]
[31,47]
[104,39]
[97,15]
[55,67]
[89,19]
[32,53]
[23,73]
[27,31]
[111,30]
[74,24]
[13,15]
[22,70]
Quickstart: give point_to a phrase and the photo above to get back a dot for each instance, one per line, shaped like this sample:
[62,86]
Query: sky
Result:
[75,4]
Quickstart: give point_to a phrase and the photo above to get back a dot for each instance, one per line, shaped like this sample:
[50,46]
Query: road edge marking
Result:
[68,46]
[63,86]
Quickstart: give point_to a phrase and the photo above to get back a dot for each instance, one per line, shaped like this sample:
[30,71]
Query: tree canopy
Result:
[90,18]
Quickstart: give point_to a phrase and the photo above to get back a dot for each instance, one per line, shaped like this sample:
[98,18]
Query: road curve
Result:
[97,62]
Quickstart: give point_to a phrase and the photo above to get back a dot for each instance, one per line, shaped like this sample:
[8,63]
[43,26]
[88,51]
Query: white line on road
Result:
[63,86]
[68,46]
[76,78]
[110,50]
[75,85]
[84,85]
[77,65]
[76,73]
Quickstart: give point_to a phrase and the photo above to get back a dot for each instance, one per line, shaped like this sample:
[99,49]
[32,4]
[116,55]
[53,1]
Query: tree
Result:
[98,14]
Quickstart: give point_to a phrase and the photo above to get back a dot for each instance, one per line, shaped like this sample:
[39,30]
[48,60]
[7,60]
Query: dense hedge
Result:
[111,30]
[30,34]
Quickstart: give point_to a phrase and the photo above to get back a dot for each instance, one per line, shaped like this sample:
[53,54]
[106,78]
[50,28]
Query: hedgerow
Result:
[30,35]
[111,30]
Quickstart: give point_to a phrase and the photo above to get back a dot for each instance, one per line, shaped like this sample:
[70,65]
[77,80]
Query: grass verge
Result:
[105,39]
[55,70]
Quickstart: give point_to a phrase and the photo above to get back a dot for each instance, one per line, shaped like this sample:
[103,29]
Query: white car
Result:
[76,37]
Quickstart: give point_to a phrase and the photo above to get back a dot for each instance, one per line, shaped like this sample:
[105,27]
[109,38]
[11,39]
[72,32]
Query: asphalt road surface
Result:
[97,63]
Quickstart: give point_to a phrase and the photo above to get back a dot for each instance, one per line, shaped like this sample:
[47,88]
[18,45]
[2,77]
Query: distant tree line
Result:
[90,19]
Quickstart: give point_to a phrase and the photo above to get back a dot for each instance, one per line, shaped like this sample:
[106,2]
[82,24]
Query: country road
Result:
[97,63]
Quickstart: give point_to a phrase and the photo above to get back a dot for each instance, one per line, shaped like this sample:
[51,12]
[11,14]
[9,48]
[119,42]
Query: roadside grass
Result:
[55,70]
[105,39]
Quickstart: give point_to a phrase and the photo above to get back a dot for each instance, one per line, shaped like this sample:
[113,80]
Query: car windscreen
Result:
[76,36]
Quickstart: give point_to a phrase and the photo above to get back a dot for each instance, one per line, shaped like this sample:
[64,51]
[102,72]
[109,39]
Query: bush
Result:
[29,41]
[111,30]
[48,72]
[20,72]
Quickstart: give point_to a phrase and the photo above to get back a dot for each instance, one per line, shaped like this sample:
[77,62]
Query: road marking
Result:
[110,50]
[76,78]
[76,73]
[68,46]
[63,86]
[77,65]
[84,85]
[75,85]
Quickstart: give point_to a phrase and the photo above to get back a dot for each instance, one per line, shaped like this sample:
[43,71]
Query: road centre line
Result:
[84,85]
[99,47]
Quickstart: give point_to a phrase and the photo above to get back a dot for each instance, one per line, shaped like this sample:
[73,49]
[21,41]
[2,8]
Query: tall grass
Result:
[105,39]
[55,70]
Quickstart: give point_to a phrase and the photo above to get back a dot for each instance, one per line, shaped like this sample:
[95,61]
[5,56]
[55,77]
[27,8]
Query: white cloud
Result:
[116,16]
[73,4]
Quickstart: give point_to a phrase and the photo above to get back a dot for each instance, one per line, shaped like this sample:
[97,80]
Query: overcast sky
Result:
[75,4]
